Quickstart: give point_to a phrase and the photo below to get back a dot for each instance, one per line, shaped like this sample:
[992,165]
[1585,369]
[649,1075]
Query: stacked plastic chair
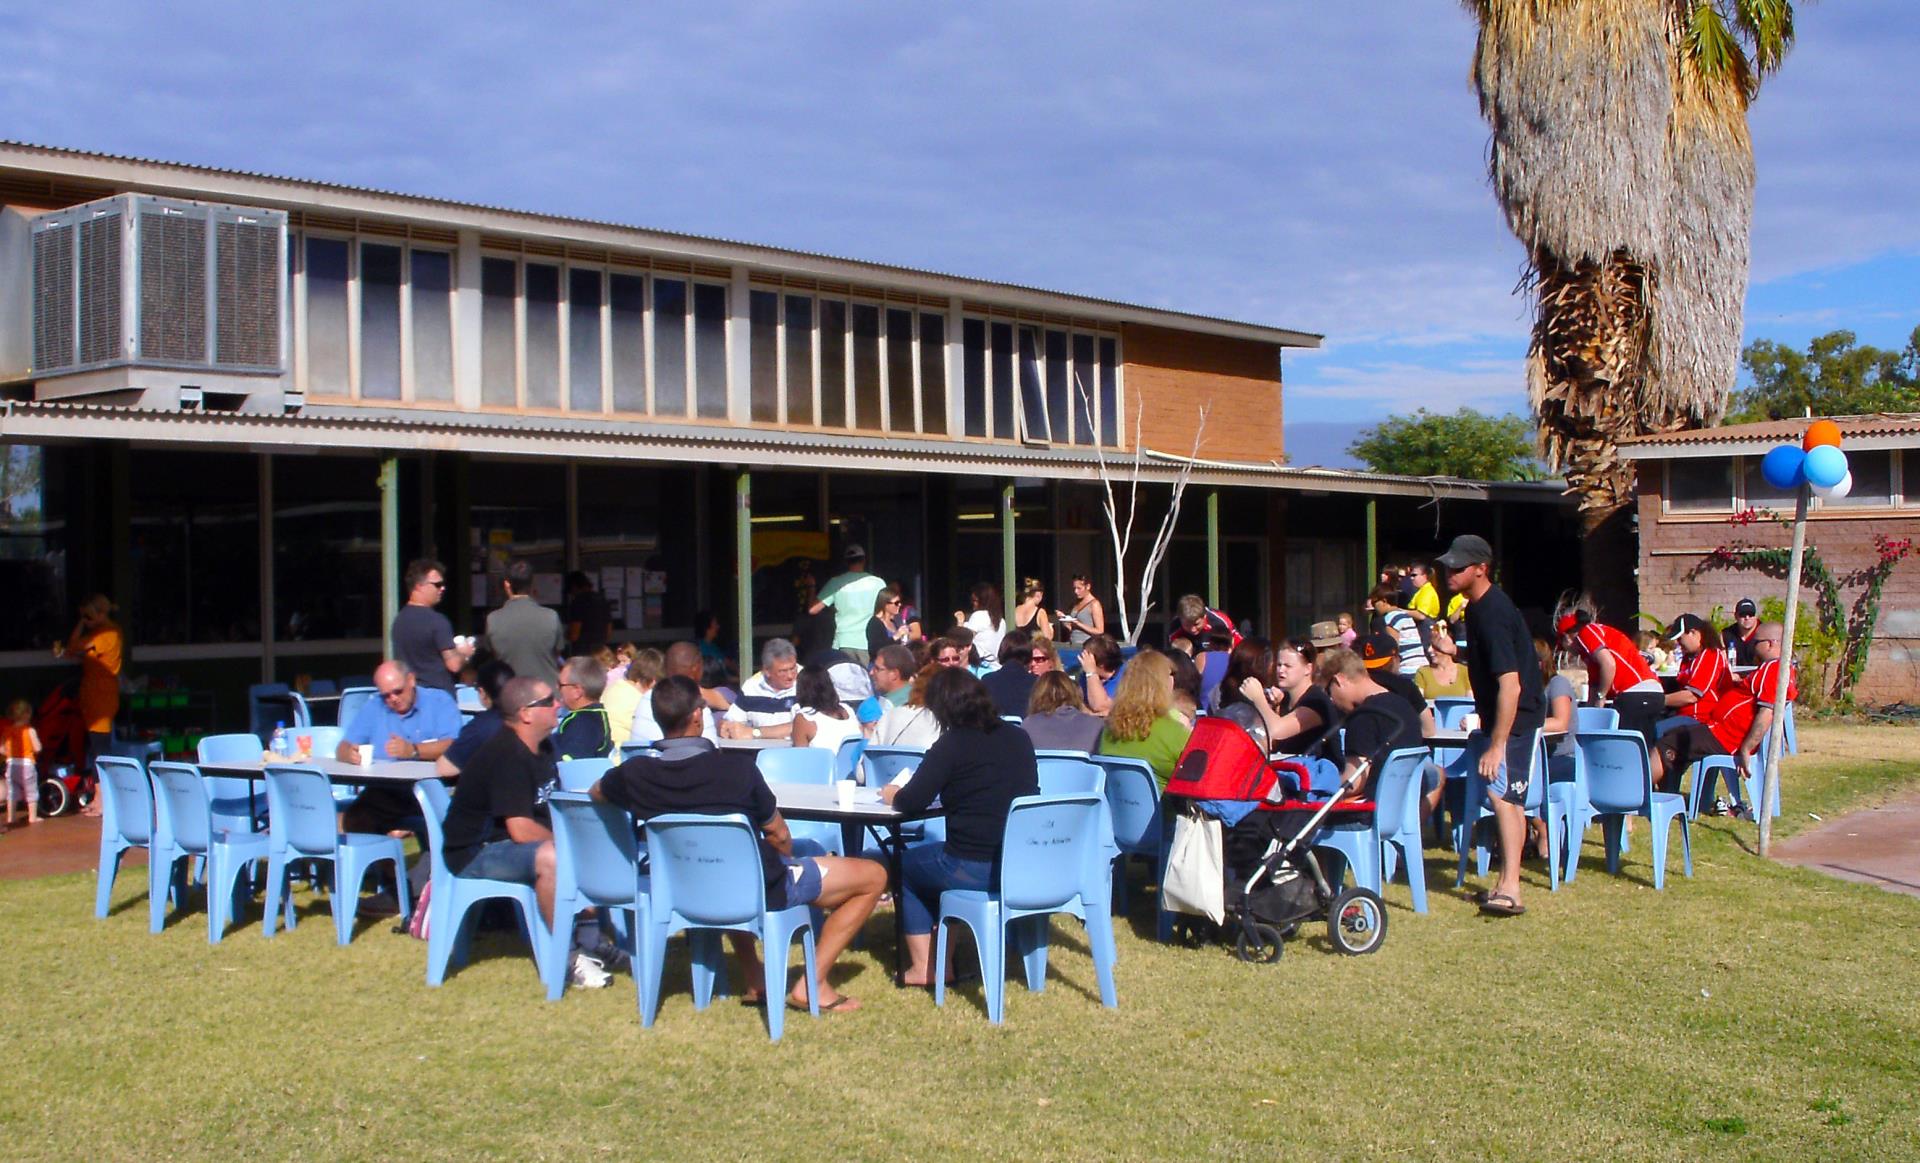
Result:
[126,820]
[185,827]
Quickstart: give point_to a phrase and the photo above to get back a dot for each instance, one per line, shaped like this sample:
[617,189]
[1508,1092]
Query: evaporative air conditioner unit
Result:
[145,282]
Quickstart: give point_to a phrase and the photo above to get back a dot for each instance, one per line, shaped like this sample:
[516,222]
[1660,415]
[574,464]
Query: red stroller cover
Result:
[1223,762]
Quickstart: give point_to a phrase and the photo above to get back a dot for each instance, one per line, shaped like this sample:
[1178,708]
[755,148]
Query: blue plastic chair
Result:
[1133,807]
[126,820]
[267,704]
[352,698]
[1540,806]
[1059,777]
[884,764]
[1448,710]
[846,759]
[302,823]
[596,856]
[1052,862]
[1595,719]
[707,877]
[1620,784]
[183,828]
[1791,738]
[1569,800]
[581,774]
[234,803]
[1392,833]
[451,900]
[1060,753]
[809,765]
[631,750]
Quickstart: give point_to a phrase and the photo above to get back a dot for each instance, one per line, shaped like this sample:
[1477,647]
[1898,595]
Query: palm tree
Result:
[1621,157]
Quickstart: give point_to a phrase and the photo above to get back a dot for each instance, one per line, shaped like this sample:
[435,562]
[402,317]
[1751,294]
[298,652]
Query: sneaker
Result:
[587,973]
[1720,806]
[611,957]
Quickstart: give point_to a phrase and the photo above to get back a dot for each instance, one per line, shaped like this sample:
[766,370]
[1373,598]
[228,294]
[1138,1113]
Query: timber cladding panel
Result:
[1673,547]
[1171,374]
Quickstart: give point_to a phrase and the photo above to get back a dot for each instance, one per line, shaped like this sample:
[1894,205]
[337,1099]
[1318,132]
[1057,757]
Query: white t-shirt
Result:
[906,727]
[829,733]
[986,638]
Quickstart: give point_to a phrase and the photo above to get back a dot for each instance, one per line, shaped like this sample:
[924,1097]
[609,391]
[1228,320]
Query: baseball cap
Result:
[1378,649]
[1684,623]
[1324,633]
[854,552]
[1467,549]
[1744,608]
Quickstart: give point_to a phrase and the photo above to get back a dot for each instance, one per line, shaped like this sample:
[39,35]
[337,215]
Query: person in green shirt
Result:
[850,595]
[1141,723]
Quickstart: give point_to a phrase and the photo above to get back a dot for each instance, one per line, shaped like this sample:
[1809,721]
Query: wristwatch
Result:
[756,732]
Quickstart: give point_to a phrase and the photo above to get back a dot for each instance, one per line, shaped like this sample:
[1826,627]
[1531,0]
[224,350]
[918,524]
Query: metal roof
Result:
[1880,430]
[101,167]
[343,429]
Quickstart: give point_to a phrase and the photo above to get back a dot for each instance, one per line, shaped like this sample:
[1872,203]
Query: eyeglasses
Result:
[395,693]
[544,702]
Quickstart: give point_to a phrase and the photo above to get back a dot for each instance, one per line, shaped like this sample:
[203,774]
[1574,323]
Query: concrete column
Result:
[739,349]
[389,548]
[466,321]
[1007,579]
[743,567]
[1213,548]
[267,615]
[1373,543]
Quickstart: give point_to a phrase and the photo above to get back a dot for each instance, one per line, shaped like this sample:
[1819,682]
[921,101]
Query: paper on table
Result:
[900,780]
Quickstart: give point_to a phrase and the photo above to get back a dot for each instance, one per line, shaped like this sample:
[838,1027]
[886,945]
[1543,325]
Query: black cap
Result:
[1744,608]
[1684,623]
[1378,649]
[1467,549]
[854,552]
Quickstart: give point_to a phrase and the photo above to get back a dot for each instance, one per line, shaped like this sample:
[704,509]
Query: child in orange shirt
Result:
[23,750]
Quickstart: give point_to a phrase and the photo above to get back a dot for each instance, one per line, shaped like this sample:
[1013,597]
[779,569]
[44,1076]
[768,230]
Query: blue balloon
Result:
[1826,466]
[1781,466]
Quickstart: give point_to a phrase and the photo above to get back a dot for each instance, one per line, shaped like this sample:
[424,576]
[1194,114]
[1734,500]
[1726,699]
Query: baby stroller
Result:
[66,779]
[1272,813]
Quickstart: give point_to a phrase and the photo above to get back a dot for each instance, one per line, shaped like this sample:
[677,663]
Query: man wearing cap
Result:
[1380,654]
[1510,698]
[851,596]
[1743,633]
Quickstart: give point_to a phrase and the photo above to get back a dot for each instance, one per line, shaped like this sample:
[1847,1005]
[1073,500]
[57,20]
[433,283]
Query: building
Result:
[1701,491]
[239,403]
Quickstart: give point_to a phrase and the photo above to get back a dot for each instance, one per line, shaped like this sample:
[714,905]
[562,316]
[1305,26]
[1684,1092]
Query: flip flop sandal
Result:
[831,1007]
[1499,904]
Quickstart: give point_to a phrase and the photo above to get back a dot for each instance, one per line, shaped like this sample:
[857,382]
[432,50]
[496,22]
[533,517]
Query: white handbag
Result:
[1196,878]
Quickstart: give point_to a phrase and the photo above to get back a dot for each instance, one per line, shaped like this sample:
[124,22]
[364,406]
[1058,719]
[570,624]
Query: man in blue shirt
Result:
[406,721]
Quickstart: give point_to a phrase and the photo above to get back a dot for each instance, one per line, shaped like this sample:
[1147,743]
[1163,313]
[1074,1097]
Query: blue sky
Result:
[1315,166]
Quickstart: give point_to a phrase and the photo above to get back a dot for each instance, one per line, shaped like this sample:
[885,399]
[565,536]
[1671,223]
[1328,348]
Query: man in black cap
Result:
[1510,698]
[1740,635]
[851,595]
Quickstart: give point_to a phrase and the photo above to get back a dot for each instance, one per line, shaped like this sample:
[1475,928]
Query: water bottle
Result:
[280,745]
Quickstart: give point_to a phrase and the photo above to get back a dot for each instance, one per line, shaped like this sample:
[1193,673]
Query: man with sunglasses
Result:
[404,721]
[422,636]
[1022,661]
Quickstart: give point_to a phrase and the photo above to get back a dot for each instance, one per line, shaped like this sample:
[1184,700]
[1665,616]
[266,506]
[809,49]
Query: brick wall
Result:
[1672,546]
[1173,373]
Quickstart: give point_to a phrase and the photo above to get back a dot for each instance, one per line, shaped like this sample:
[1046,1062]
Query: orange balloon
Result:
[1821,432]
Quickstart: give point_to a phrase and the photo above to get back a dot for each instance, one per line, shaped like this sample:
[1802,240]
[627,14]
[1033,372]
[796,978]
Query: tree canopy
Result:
[1466,444]
[1835,376]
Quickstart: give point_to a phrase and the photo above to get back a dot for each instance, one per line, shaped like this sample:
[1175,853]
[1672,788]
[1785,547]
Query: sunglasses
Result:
[394,693]
[544,702]
[1040,658]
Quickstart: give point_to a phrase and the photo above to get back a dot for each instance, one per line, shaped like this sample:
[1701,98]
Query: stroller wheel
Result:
[1357,922]
[1259,944]
[55,799]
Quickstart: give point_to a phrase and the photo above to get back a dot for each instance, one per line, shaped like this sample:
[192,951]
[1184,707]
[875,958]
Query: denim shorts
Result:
[801,885]
[507,860]
[1506,785]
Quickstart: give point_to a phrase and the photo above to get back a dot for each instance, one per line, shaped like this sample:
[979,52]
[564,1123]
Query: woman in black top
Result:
[1296,712]
[976,769]
[884,628]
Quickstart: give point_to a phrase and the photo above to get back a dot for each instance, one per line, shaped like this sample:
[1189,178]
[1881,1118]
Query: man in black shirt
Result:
[1011,685]
[1380,651]
[422,636]
[584,730]
[1377,721]
[1510,698]
[691,774]
[490,679]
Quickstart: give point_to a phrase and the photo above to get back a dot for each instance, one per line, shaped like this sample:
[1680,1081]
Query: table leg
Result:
[894,846]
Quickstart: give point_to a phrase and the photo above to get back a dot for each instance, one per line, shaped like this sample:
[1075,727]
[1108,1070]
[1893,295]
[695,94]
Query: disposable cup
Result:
[366,754]
[846,790]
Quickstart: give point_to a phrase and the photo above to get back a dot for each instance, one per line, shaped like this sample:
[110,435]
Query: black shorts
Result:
[1642,712]
[1515,775]
[1680,747]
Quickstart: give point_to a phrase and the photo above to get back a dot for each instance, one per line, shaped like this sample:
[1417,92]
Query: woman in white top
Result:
[988,621]
[911,724]
[820,719]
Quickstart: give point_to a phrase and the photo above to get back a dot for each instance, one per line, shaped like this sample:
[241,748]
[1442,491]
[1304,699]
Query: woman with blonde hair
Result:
[1057,718]
[624,696]
[1031,613]
[1141,724]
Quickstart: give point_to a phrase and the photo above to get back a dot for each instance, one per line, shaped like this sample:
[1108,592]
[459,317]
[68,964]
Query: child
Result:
[23,773]
[1347,632]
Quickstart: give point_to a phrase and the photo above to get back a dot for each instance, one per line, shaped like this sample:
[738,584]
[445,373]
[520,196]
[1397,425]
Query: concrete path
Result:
[1880,846]
[51,847]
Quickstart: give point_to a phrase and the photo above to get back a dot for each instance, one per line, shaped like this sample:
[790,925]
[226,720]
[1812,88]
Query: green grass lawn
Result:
[1753,1011]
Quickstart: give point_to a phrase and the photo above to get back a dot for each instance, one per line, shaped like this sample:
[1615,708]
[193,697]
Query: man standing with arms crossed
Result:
[1511,700]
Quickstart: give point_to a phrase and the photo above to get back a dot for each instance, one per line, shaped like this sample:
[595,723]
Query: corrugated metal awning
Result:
[1879,430]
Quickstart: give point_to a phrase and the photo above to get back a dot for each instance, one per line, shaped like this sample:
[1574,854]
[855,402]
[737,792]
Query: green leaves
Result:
[1466,444]
[1834,377]
[1739,42]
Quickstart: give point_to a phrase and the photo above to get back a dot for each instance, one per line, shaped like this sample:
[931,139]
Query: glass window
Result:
[626,303]
[1704,485]
[670,347]
[1059,389]
[1109,392]
[1003,380]
[833,363]
[1872,482]
[1033,397]
[326,548]
[1084,389]
[800,360]
[34,522]
[866,366]
[973,376]
[1756,492]
[764,307]
[521,505]
[194,541]
[327,317]
[379,321]
[933,373]
[583,339]
[900,410]
[543,335]
[710,349]
[498,379]
[431,299]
